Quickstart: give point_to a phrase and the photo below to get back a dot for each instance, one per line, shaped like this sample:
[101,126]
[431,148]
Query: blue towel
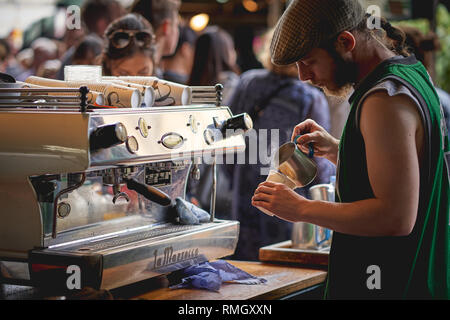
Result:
[211,275]
[190,214]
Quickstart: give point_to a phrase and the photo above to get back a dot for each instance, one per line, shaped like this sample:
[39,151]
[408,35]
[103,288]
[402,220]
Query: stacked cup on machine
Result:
[114,94]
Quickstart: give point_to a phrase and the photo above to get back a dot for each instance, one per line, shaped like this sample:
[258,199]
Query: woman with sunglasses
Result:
[130,47]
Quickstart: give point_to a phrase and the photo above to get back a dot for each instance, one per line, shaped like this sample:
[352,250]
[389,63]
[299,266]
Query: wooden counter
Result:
[282,280]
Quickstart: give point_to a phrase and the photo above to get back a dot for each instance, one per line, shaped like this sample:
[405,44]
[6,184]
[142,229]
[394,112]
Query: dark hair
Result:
[155,11]
[420,44]
[132,22]
[186,35]
[5,49]
[93,10]
[211,57]
[393,38]
[90,43]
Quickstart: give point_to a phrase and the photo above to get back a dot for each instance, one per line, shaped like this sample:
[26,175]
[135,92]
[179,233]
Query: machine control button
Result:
[209,136]
[63,210]
[172,140]
[132,144]
[193,124]
[241,121]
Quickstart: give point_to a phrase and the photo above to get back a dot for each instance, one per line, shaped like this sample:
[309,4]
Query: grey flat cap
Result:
[307,23]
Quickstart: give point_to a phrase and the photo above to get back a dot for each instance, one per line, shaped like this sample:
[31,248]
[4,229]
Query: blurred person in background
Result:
[130,47]
[25,59]
[177,67]
[52,27]
[215,62]
[163,16]
[339,110]
[73,37]
[246,58]
[96,15]
[49,69]
[22,61]
[423,47]
[88,51]
[71,40]
[43,49]
[276,100]
[5,53]
[12,61]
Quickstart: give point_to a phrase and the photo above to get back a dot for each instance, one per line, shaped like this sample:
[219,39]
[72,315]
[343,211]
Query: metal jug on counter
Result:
[309,236]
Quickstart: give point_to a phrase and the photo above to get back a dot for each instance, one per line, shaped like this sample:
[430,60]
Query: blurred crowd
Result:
[150,39]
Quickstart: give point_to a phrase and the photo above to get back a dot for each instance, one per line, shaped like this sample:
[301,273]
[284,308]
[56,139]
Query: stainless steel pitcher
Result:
[292,162]
[307,235]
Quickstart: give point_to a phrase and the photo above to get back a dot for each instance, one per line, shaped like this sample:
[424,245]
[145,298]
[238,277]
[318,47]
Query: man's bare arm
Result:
[393,135]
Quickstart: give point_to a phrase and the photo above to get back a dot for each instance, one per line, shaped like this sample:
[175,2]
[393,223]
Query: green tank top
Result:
[413,266]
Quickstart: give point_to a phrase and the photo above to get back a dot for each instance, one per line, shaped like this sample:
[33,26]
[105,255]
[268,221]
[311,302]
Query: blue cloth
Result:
[188,213]
[211,275]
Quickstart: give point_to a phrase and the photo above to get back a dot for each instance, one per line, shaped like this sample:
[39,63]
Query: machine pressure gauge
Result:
[132,144]
[121,132]
[172,140]
[142,126]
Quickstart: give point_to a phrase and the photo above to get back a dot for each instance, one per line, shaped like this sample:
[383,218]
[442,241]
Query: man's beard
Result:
[345,75]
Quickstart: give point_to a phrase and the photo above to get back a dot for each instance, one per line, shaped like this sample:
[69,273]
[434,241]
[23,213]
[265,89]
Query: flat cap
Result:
[307,23]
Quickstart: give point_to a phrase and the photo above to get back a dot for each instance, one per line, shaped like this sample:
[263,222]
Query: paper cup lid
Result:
[100,99]
[149,96]
[136,99]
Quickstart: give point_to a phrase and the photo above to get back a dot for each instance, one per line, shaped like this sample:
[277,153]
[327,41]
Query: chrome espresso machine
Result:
[89,189]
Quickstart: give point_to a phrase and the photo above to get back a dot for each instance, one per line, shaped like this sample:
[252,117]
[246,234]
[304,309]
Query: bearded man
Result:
[391,215]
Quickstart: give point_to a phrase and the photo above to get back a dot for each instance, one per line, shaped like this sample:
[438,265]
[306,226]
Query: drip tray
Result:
[130,257]
[125,238]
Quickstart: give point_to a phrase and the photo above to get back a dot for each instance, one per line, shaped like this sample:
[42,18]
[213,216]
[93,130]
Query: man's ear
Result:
[345,42]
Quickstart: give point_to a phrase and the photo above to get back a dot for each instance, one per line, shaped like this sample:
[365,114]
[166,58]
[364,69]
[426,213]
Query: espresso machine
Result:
[89,190]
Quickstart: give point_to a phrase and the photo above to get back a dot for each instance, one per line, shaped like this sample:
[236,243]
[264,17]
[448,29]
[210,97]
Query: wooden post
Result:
[433,28]
[275,10]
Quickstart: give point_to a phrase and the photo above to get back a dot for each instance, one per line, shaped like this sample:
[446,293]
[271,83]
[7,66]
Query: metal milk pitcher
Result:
[292,162]
[307,235]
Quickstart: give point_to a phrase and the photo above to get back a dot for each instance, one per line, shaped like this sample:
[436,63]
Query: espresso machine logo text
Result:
[167,257]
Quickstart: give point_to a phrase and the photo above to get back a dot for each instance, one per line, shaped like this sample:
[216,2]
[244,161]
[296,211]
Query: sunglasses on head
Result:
[122,38]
